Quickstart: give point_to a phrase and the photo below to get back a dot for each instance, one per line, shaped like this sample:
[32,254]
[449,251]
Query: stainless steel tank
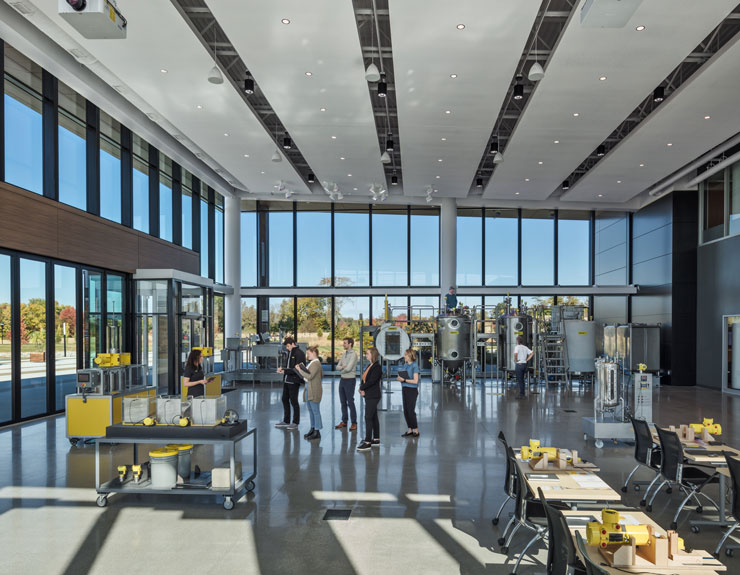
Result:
[610,340]
[639,343]
[580,342]
[453,339]
[510,327]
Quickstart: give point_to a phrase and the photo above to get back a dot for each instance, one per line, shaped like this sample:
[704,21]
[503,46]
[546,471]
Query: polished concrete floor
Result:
[417,505]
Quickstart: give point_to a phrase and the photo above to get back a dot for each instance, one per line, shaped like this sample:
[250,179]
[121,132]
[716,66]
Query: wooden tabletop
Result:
[568,485]
[577,523]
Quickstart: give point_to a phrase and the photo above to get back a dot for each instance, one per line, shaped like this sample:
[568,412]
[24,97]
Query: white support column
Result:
[232,266]
[447,244]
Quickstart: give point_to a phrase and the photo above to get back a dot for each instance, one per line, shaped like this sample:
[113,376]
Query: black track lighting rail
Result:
[204,25]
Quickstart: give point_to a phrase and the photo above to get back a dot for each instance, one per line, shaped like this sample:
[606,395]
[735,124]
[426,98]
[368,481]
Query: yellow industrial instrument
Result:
[610,532]
[205,351]
[122,472]
[136,471]
[108,359]
[534,451]
[708,424]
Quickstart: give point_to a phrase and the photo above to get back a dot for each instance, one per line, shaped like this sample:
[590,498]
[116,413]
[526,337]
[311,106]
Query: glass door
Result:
[731,338]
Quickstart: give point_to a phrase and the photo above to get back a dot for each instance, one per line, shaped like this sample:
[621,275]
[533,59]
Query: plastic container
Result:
[163,463]
[136,409]
[184,458]
[170,408]
[208,410]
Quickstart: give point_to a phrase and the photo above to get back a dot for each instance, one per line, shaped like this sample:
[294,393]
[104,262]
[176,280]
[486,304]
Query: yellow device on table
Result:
[534,451]
[108,359]
[708,424]
[205,351]
[610,532]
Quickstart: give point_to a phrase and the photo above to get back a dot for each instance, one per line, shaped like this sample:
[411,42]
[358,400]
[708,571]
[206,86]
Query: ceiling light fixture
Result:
[526,179]
[199,107]
[540,162]
[288,194]
[287,143]
[603,78]
[659,94]
[516,193]
[436,177]
[619,181]
[372,74]
[601,151]
[249,84]
[498,158]
[163,70]
[518,88]
[389,143]
[311,178]
[448,111]
[640,28]
[493,148]
[322,109]
[576,114]
[444,139]
[341,157]
[349,175]
[333,137]
[385,158]
[439,159]
[453,76]
[669,144]
[246,155]
[566,185]
[276,157]
[382,87]
[479,183]
[642,165]
[536,72]
[707,117]
[556,141]
[309,74]
[285,21]
[461,26]
[601,195]
[226,134]
[394,180]
[215,76]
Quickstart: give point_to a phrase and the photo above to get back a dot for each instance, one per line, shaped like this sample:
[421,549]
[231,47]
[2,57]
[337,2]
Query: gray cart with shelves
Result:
[228,436]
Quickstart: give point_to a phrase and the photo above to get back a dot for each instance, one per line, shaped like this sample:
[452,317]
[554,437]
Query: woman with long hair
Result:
[313,373]
[408,375]
[370,390]
[193,377]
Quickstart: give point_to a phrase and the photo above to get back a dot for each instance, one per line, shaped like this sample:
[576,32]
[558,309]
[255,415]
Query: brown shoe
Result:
[353,427]
[340,425]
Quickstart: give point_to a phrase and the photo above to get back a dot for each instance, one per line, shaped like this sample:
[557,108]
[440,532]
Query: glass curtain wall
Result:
[218,238]
[424,246]
[538,253]
[140,184]
[280,242]
[313,244]
[390,245]
[6,394]
[92,293]
[65,332]
[110,168]
[469,247]
[187,209]
[314,324]
[248,244]
[351,245]
[33,337]
[165,198]
[23,106]
[347,312]
[249,316]
[398,312]
[219,321]
[72,148]
[281,317]
[204,234]
[114,313]
[574,238]
[502,245]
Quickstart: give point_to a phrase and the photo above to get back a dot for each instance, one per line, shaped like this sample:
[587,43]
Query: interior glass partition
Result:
[92,293]
[152,331]
[65,332]
[33,337]
[6,394]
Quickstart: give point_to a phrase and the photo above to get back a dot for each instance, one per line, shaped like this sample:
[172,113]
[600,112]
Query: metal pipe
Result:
[714,169]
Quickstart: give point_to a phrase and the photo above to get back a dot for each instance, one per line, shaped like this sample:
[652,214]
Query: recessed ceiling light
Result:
[323,109]
[199,107]
[540,163]
[642,165]
[246,155]
[163,70]
[448,111]
[262,172]
[453,76]
[640,28]
[602,78]
[601,195]
[556,141]
[349,175]
[576,114]
[341,157]
[516,193]
[309,74]
[669,144]
[461,26]
[333,137]
[355,189]
[444,139]
[285,21]
[707,117]
[226,134]
[619,181]
[437,177]
[526,179]
[439,159]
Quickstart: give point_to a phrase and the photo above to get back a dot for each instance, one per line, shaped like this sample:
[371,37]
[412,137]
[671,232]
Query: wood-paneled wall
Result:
[37,225]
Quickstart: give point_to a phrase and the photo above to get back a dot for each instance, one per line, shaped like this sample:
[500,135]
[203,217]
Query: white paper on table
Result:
[590,481]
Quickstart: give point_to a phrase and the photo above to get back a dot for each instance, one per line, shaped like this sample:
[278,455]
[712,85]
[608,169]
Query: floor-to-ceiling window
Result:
[574,240]
[92,321]
[502,244]
[281,317]
[204,233]
[219,321]
[6,394]
[218,238]
[140,184]
[24,166]
[280,243]
[165,198]
[351,245]
[424,246]
[249,316]
[469,246]
[110,168]
[313,244]
[72,148]
[248,243]
[390,245]
[538,247]
[314,324]
[347,312]
[33,337]
[65,332]
[187,209]
[397,312]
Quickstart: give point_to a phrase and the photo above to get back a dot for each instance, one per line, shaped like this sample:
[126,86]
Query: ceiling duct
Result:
[608,13]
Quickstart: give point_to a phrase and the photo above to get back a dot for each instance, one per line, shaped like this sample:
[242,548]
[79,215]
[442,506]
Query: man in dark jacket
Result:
[291,384]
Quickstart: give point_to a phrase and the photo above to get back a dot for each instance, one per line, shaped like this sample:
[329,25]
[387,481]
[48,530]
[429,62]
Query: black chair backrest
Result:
[508,478]
[591,567]
[561,553]
[643,440]
[670,445]
[734,467]
[521,491]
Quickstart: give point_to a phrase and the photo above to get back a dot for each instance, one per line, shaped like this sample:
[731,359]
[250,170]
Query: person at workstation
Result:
[193,377]
[451,300]
[522,354]
[291,384]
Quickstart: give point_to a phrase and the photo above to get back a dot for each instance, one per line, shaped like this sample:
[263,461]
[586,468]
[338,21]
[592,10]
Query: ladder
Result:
[553,358]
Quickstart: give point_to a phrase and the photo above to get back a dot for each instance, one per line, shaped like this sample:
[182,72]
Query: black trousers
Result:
[290,397]
[372,423]
[521,371]
[409,396]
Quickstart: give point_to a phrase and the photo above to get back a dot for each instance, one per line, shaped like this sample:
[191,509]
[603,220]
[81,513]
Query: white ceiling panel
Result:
[427,49]
[680,121]
[321,39]
[159,39]
[633,62]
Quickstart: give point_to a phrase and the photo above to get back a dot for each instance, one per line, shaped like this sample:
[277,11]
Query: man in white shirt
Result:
[522,354]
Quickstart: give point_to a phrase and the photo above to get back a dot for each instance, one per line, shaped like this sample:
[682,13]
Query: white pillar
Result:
[232,266]
[447,244]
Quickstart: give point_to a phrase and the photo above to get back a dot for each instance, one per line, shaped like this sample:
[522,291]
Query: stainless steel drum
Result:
[453,339]
[510,327]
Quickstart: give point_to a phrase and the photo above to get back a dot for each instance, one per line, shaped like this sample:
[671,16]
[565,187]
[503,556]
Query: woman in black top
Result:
[193,377]
[370,390]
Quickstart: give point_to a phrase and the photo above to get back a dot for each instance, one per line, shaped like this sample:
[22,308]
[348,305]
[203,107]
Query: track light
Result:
[382,87]
[385,158]
[215,76]
[601,150]
[498,158]
[276,157]
[394,180]
[287,143]
[429,198]
[566,185]
[372,74]
[493,148]
[311,178]
[518,88]
[479,183]
[659,94]
[389,143]
[536,72]
[249,84]
[288,194]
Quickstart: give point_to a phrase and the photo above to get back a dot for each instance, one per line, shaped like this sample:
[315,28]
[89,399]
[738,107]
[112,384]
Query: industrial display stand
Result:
[218,435]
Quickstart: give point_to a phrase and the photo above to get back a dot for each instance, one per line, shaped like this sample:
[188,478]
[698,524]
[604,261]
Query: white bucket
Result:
[184,459]
[163,464]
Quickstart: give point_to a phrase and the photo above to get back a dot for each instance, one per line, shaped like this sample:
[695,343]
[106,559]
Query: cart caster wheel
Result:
[637,488]
[250,485]
[643,502]
[501,541]
[505,550]
[699,509]
[599,444]
[494,520]
[729,552]
[228,503]
[669,490]
[648,508]
[102,500]
[674,525]
[695,529]
[73,441]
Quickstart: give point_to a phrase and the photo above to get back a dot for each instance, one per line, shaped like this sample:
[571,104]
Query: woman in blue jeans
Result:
[313,373]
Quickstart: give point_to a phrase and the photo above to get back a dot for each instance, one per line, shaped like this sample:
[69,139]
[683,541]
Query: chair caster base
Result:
[699,509]
[501,541]
[495,521]
[643,503]
[674,525]
[505,550]
[648,508]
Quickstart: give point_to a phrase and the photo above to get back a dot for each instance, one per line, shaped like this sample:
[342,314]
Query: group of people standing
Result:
[297,371]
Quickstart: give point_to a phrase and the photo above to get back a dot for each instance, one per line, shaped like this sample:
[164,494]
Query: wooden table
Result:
[711,566]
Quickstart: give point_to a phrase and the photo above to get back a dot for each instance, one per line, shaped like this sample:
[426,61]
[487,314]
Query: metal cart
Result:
[217,435]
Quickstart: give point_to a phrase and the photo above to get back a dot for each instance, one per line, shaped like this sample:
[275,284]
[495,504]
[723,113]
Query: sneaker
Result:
[291,426]
[310,432]
[340,425]
[376,443]
[364,446]
[407,434]
[353,427]
[281,424]
[315,435]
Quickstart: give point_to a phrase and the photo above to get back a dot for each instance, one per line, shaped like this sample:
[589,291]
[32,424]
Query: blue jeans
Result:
[347,398]
[314,413]
[520,370]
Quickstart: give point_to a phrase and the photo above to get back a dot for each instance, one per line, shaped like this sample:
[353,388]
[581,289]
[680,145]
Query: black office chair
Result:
[508,483]
[734,466]
[675,470]
[647,453]
[562,558]
[592,568]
